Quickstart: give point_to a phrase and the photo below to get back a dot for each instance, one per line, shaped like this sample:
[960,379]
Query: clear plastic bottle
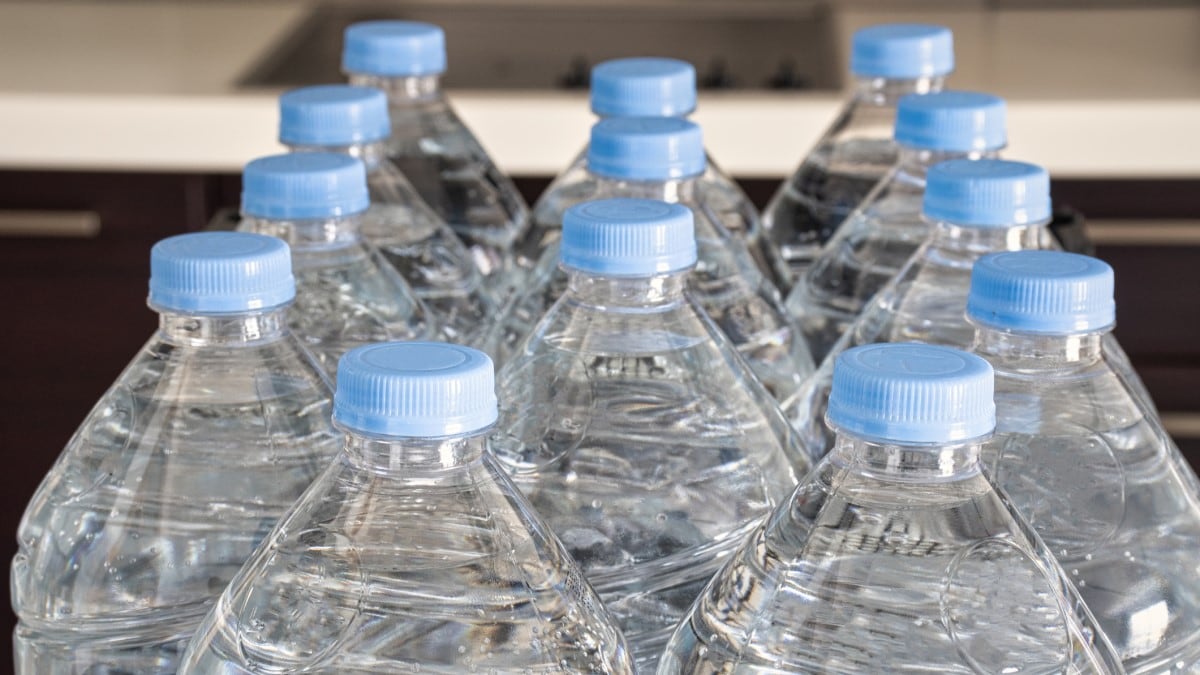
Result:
[347,294]
[208,435]
[896,554]
[431,145]
[1083,459]
[413,552]
[888,61]
[633,426]
[884,232]
[977,207]
[640,87]
[662,158]
[431,258]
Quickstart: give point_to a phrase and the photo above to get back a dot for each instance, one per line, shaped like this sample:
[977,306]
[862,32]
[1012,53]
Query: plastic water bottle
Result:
[426,252]
[1084,460]
[430,144]
[633,426]
[888,61]
[413,552]
[640,87]
[976,207]
[896,554]
[208,435]
[662,158]
[346,292]
[882,234]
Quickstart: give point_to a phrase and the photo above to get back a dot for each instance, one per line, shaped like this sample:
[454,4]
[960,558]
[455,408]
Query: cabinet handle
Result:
[1182,424]
[1148,232]
[58,224]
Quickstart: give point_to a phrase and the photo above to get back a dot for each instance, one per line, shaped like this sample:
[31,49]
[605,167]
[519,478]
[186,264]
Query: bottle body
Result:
[451,171]
[733,208]
[347,294]
[1092,470]
[849,159]
[573,186]
[645,444]
[425,251]
[890,558]
[726,282]
[925,302]
[405,555]
[167,487]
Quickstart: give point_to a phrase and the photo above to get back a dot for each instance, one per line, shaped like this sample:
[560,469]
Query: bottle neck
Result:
[626,295]
[402,90]
[974,241]
[407,456]
[198,330]
[672,190]
[372,154]
[907,463]
[882,91]
[1030,352]
[311,233]
[915,162]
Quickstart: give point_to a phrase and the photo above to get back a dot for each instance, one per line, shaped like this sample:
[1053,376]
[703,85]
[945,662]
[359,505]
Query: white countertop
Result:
[152,86]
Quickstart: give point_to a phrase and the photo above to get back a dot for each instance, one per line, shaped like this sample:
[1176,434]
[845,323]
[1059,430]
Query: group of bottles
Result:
[314,466]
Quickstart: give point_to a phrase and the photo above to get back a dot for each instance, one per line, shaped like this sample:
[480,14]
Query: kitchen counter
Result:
[154,86]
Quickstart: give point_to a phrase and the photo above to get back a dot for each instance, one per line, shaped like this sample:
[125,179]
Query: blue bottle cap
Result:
[911,393]
[643,87]
[987,193]
[646,148]
[1046,292]
[415,390]
[951,121]
[902,51]
[394,49]
[304,185]
[334,114]
[628,237]
[220,273]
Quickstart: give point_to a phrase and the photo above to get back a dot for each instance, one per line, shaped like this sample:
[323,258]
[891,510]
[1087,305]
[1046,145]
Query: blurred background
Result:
[122,122]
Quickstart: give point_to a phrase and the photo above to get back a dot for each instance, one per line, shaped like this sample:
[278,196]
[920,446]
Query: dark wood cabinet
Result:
[75,301]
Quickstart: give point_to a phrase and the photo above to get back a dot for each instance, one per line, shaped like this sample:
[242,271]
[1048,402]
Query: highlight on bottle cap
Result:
[646,148]
[643,87]
[987,193]
[910,393]
[220,273]
[628,237]
[415,390]
[1043,292]
[394,49]
[902,51]
[952,121]
[334,114]
[304,185]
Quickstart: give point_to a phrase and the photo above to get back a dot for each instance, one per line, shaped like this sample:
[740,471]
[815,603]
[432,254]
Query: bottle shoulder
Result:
[848,550]
[601,390]
[859,141]
[1044,394]
[190,450]
[363,547]
[352,284]
[431,127]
